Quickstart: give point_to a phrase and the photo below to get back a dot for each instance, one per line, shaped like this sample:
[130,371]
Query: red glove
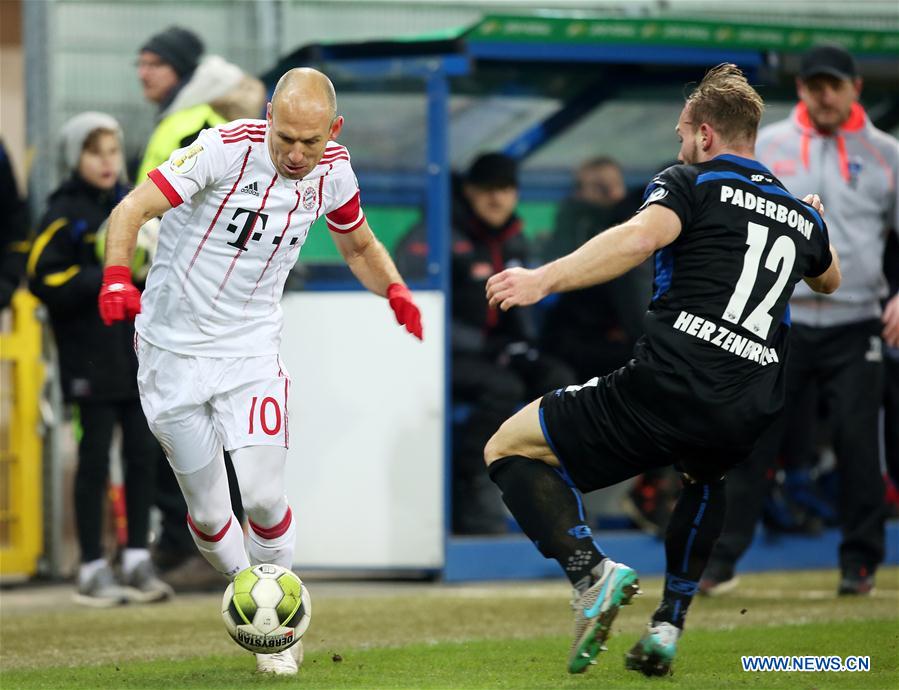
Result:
[407,314]
[119,299]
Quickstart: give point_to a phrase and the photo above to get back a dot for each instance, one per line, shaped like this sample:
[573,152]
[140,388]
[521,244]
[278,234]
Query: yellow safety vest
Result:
[173,132]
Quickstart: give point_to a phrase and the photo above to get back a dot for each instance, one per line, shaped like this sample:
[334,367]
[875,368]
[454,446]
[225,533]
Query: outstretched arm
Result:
[119,299]
[603,258]
[367,259]
[143,203]
[372,265]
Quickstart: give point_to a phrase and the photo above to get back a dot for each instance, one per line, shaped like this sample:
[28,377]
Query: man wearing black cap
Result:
[167,60]
[828,145]
[193,92]
[496,366]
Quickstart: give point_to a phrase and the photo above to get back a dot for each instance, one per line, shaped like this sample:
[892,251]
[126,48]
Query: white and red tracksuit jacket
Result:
[854,171]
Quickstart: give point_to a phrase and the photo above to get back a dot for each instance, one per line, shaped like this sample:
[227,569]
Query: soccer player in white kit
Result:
[236,206]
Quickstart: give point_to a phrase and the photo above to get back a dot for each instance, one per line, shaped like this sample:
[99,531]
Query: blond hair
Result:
[726,101]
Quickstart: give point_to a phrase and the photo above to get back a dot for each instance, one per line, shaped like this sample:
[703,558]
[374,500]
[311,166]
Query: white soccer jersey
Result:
[235,231]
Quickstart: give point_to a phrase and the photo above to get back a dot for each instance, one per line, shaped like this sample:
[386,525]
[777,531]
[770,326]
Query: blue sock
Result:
[694,527]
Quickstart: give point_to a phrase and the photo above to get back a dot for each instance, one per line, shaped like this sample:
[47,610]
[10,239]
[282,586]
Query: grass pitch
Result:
[514,635]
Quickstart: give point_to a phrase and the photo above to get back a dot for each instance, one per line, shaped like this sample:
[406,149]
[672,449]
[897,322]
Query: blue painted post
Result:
[437,170]
[437,218]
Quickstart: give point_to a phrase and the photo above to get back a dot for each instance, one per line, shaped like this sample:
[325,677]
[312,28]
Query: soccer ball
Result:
[144,248]
[266,608]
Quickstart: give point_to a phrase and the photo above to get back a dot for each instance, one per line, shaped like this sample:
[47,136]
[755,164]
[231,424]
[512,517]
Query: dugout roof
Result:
[553,89]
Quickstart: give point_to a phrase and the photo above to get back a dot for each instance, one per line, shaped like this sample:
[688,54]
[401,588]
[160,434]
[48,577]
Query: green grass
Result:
[497,636]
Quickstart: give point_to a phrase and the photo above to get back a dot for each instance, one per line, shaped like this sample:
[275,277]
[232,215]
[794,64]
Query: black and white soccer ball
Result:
[266,608]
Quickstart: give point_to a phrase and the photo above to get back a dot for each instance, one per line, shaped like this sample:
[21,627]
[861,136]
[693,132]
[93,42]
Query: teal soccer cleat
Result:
[596,609]
[654,652]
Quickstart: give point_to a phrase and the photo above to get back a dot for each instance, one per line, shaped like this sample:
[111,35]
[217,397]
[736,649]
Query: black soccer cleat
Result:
[856,582]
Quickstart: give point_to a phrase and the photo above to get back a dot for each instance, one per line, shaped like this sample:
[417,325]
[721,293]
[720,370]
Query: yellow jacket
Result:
[218,92]
[174,132]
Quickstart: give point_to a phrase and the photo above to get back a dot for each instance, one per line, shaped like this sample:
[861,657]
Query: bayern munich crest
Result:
[309,198]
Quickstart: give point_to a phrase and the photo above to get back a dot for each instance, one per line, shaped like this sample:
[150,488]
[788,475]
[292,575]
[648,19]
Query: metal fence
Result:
[80,54]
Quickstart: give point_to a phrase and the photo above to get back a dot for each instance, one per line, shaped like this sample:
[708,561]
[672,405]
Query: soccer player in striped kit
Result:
[729,244]
[236,207]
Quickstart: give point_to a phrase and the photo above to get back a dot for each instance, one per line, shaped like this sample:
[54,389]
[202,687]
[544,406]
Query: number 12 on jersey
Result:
[780,259]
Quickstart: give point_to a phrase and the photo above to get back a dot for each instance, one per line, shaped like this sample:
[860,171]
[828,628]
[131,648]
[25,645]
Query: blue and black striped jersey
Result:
[716,329]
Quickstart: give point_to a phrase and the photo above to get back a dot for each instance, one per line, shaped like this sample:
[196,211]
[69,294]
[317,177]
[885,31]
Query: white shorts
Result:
[195,406]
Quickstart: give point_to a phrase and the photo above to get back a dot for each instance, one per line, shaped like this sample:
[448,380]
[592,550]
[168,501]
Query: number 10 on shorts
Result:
[266,414]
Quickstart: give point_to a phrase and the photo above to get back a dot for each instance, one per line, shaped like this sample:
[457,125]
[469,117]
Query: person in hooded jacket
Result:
[98,366]
[192,92]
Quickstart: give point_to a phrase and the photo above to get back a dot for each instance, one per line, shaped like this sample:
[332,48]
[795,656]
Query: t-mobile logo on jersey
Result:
[248,226]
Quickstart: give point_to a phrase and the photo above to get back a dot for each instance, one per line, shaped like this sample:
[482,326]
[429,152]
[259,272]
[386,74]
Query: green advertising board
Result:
[696,33]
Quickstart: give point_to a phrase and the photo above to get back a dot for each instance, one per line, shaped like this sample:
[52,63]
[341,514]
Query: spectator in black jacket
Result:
[13,232]
[97,363]
[496,365]
[595,329]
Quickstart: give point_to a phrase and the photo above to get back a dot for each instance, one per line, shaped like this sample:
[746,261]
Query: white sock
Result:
[273,544]
[260,474]
[131,558]
[225,550]
[86,570]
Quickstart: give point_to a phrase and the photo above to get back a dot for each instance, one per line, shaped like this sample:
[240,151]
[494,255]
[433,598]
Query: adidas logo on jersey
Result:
[252,188]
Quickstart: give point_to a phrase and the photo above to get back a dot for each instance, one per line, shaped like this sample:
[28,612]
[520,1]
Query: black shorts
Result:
[602,437]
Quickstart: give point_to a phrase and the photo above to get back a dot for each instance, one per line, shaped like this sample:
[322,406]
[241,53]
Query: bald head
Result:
[305,88]
[302,119]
